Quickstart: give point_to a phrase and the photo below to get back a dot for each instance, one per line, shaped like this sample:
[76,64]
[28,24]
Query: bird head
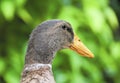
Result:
[53,35]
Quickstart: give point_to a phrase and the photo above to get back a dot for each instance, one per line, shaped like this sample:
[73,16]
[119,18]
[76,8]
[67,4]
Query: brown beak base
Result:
[80,48]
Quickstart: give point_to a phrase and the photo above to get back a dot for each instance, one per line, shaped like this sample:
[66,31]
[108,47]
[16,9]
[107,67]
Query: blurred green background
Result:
[96,22]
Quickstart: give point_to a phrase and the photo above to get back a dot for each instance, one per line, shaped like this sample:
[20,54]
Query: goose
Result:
[45,40]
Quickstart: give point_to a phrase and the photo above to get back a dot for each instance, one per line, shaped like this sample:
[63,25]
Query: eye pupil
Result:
[64,27]
[68,29]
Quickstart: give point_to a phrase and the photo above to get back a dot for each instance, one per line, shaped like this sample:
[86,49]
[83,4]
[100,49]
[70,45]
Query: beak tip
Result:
[91,56]
[80,48]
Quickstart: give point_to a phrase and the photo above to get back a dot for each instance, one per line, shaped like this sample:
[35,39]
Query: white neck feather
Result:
[36,66]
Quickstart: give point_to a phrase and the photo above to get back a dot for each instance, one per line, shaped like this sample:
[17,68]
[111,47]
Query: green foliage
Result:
[94,21]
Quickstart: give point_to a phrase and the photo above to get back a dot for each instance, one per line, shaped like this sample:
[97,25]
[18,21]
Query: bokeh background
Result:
[96,22]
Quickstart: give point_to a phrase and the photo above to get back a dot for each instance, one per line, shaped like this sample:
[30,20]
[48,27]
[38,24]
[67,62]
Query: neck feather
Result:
[36,66]
[34,56]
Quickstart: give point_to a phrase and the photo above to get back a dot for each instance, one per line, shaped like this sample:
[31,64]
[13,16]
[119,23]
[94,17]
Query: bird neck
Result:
[33,56]
[36,66]
[41,72]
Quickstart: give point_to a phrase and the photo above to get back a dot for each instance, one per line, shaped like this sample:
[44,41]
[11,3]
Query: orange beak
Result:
[80,48]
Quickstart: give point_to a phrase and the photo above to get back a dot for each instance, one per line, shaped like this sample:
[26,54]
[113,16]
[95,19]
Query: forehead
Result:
[65,23]
[55,23]
[62,24]
[51,25]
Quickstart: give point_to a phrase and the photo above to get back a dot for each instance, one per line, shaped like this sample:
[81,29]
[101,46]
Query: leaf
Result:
[8,9]
[111,17]
[24,15]
[95,19]
[2,66]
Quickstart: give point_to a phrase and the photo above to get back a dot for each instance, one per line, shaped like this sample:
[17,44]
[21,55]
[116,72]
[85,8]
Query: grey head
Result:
[46,39]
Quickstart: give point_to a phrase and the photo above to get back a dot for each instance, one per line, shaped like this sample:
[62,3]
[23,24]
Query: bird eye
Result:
[69,30]
[63,27]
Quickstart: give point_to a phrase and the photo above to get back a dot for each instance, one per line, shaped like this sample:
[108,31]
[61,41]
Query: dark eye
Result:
[64,27]
[69,30]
